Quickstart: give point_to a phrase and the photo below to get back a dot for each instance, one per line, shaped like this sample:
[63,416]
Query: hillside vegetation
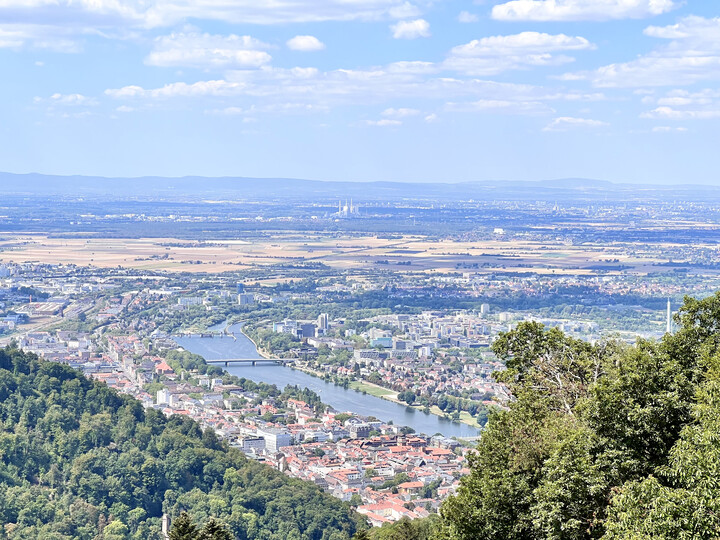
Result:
[603,440]
[78,460]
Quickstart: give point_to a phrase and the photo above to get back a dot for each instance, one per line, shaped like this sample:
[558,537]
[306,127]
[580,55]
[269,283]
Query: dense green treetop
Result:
[602,440]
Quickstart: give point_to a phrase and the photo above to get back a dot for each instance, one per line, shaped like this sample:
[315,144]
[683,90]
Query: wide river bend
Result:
[238,345]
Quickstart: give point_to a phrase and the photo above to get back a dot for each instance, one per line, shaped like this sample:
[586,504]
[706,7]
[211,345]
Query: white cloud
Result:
[385,122]
[680,101]
[413,68]
[37,36]
[62,25]
[502,106]
[292,107]
[430,118]
[111,14]
[684,98]
[71,99]
[278,108]
[668,129]
[67,105]
[692,55]
[579,10]
[319,90]
[227,111]
[404,11]
[698,29]
[66,100]
[12,38]
[565,123]
[467,17]
[345,86]
[656,71]
[180,89]
[670,113]
[524,42]
[411,29]
[81,114]
[205,51]
[495,54]
[400,113]
[305,44]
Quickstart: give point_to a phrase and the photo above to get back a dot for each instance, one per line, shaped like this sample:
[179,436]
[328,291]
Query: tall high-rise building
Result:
[322,321]
[668,328]
[246,299]
[240,288]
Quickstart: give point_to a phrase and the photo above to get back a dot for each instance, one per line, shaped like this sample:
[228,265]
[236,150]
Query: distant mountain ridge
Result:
[197,187]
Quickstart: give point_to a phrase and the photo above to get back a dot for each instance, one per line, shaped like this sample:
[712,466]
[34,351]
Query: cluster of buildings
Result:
[420,353]
[74,348]
[387,475]
[303,329]
[384,471]
[392,476]
[346,455]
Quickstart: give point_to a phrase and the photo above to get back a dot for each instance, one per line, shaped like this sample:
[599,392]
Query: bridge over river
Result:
[251,361]
[208,335]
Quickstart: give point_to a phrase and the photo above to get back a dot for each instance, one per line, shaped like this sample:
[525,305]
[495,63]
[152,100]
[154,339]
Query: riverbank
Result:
[390,395]
[361,386]
[260,351]
[372,389]
[340,396]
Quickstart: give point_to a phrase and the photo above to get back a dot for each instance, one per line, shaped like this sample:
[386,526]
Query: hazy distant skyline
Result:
[619,90]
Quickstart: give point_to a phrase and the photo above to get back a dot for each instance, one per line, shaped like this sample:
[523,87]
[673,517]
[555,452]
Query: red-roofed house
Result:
[163,368]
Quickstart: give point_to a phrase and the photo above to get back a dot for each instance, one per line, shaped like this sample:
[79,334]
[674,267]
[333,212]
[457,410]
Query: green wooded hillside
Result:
[606,440]
[78,460]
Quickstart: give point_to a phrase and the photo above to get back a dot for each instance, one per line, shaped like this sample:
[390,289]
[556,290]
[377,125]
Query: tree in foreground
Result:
[214,530]
[183,528]
[683,500]
[601,441]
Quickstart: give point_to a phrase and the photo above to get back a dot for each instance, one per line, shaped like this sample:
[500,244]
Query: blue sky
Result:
[425,90]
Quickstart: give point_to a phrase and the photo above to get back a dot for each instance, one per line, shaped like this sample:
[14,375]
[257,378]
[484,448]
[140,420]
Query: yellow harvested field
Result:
[422,254]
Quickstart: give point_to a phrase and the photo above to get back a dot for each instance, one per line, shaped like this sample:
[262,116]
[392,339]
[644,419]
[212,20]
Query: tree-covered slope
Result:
[606,440]
[78,460]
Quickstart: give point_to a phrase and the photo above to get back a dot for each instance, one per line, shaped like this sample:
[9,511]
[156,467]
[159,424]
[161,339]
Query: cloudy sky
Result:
[426,90]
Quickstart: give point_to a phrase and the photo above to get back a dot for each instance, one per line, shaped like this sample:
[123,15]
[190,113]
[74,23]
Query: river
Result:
[342,399]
